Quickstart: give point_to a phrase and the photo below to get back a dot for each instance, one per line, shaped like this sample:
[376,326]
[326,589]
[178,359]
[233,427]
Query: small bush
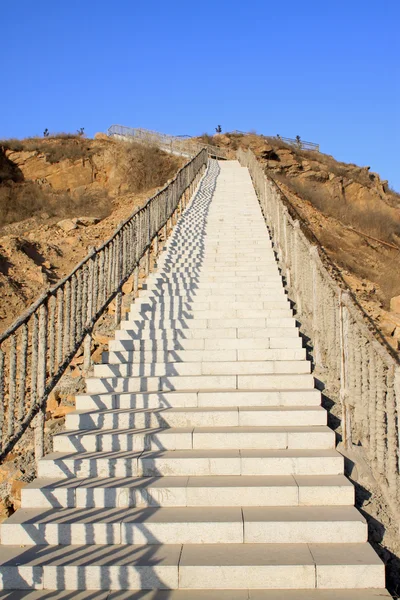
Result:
[207,139]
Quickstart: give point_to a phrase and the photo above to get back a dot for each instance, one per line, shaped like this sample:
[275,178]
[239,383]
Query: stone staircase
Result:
[199,462]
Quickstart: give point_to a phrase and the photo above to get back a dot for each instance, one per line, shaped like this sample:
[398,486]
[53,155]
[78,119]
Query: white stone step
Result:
[196,286]
[213,303]
[191,463]
[175,334]
[239,294]
[297,397]
[208,339]
[161,314]
[230,295]
[183,438]
[268,272]
[187,322]
[233,367]
[192,566]
[206,594]
[201,382]
[185,525]
[218,335]
[127,343]
[189,356]
[110,567]
[295,566]
[239,490]
[196,417]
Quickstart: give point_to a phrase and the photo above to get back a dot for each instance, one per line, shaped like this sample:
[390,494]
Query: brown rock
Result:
[5,510]
[390,322]
[77,360]
[6,471]
[62,411]
[87,221]
[70,240]
[16,488]
[127,288]
[52,402]
[395,304]
[98,354]
[76,373]
[101,136]
[101,338]
[66,225]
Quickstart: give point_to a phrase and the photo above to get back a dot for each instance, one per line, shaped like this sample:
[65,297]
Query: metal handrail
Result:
[40,344]
[302,144]
[348,349]
[170,143]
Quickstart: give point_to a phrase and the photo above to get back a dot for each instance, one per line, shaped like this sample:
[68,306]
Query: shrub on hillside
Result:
[147,167]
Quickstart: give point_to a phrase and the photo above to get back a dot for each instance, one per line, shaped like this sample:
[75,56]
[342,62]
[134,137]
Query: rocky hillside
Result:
[354,214]
[59,196]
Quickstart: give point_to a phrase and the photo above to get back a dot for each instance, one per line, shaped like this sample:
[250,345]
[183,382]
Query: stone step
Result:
[267,273]
[187,438]
[217,334]
[280,565]
[230,295]
[161,314]
[191,462]
[273,290]
[226,342]
[206,594]
[196,417]
[234,367]
[237,490]
[216,303]
[201,382]
[190,356]
[179,267]
[187,322]
[185,525]
[192,566]
[128,344]
[235,398]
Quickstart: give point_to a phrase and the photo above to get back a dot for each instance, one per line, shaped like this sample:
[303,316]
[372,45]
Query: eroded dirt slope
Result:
[60,196]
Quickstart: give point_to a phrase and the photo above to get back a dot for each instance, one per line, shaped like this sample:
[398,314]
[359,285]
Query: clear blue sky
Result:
[327,70]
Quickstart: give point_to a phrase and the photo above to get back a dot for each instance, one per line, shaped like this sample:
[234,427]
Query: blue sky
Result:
[325,70]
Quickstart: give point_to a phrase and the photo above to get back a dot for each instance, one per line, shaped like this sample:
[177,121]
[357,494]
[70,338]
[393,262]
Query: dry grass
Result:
[146,167]
[206,138]
[20,201]
[55,148]
[376,221]
[142,168]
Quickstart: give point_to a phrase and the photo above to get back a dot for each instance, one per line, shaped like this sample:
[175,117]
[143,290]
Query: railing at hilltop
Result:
[302,144]
[175,144]
[347,346]
[38,347]
[299,143]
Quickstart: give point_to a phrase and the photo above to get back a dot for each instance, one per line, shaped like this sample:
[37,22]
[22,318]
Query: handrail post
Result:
[87,343]
[343,393]
[41,384]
